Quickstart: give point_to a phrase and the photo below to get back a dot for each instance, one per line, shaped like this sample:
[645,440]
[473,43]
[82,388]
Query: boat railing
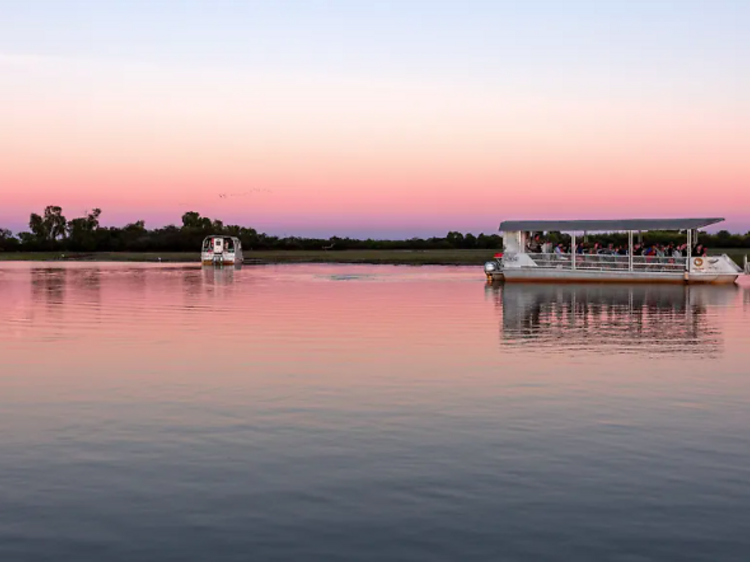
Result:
[609,262]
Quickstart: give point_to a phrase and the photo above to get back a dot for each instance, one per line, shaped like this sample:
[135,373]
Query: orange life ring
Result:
[698,262]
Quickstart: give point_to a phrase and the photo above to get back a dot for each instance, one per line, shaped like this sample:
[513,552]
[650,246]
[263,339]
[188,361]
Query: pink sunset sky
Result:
[368,122]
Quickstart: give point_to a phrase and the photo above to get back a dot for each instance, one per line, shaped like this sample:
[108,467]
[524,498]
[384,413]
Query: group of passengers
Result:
[671,250]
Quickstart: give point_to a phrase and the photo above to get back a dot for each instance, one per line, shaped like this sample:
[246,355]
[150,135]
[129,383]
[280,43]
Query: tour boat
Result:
[221,250]
[518,262]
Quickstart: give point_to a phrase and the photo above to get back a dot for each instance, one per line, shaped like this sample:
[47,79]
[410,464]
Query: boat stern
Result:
[220,250]
[224,258]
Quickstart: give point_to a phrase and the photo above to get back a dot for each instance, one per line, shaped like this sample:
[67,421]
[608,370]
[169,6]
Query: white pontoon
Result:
[221,250]
[518,263]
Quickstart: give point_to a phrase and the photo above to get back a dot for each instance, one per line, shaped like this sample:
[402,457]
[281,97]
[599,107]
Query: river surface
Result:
[368,413]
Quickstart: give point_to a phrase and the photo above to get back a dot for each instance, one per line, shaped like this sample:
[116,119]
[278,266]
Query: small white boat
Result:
[518,262]
[219,249]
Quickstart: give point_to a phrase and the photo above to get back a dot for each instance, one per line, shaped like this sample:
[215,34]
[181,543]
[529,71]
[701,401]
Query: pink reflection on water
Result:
[354,335]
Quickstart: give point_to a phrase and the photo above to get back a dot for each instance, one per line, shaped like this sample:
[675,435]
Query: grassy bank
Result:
[402,257]
[737,255]
[405,257]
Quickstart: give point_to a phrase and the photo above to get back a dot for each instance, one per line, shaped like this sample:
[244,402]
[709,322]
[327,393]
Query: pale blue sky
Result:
[435,40]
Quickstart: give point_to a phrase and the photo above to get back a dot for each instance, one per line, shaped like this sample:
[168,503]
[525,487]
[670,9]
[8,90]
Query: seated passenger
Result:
[535,245]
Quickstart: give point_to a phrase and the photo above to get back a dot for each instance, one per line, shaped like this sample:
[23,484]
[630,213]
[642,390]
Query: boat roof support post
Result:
[630,250]
[689,248]
[573,251]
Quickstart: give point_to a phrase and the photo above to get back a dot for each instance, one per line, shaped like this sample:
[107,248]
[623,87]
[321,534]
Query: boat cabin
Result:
[219,249]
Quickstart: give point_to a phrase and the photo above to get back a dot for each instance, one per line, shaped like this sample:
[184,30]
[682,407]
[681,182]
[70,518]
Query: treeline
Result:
[52,231]
[722,239]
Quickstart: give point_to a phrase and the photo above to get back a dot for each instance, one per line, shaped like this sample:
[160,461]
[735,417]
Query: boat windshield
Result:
[226,243]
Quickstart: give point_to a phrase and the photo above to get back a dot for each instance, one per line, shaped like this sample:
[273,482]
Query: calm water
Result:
[375,413]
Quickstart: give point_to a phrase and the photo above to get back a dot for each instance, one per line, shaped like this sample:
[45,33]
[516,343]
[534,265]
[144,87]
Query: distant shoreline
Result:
[375,257]
[385,257]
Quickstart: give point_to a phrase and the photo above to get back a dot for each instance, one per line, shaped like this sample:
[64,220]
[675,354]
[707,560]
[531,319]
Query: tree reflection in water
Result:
[48,285]
[631,318]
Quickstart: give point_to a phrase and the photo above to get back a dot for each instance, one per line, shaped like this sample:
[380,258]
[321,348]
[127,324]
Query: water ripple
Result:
[318,412]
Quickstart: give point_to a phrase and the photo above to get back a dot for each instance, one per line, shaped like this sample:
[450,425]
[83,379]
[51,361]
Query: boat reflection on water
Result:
[663,318]
[219,275]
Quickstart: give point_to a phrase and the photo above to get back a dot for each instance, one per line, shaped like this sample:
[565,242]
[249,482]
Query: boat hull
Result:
[539,275]
[219,260]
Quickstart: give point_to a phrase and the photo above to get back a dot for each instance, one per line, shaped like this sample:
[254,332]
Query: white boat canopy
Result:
[623,225]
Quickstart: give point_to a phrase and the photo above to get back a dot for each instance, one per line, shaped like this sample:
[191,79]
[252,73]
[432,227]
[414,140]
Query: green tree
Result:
[55,222]
[92,219]
[191,219]
[455,239]
[138,227]
[38,228]
[49,227]
[82,232]
[7,241]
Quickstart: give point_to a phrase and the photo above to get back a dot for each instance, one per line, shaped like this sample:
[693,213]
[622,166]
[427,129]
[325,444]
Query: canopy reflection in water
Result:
[653,318]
